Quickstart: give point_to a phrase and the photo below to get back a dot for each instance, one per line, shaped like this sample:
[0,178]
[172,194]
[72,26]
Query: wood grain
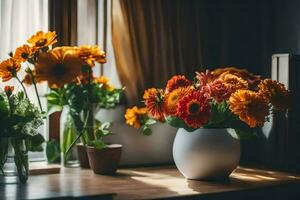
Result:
[149,183]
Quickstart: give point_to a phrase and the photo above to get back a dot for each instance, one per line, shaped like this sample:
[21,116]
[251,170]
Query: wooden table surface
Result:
[153,183]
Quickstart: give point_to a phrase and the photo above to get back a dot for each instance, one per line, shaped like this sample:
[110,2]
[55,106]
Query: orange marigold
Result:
[251,79]
[276,93]
[22,53]
[234,82]
[91,54]
[177,82]
[194,109]
[134,116]
[8,69]
[41,39]
[251,107]
[153,99]
[171,100]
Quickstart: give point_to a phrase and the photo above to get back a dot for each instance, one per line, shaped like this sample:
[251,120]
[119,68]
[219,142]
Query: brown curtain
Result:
[154,40]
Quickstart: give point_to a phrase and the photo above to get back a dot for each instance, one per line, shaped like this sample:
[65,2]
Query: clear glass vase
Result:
[68,134]
[15,161]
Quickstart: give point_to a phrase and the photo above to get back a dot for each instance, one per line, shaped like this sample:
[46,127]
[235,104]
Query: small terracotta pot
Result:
[105,161]
[83,156]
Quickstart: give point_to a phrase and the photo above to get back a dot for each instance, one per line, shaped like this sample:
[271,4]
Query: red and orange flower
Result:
[217,90]
[153,99]
[177,82]
[172,98]
[194,109]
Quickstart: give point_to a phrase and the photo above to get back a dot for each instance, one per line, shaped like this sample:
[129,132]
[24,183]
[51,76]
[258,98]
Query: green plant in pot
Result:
[212,113]
[76,92]
[82,100]
[18,134]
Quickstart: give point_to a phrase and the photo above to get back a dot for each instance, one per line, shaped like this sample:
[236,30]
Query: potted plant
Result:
[74,89]
[212,113]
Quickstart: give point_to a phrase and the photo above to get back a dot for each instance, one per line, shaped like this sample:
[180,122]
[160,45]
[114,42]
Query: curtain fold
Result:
[153,40]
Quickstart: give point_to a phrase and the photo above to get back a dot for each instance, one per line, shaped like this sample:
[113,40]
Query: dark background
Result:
[246,33]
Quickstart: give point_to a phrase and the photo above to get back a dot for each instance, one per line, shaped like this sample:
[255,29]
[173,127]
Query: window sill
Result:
[38,168]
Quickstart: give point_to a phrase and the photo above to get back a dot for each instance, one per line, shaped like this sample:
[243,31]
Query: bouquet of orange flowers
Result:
[222,98]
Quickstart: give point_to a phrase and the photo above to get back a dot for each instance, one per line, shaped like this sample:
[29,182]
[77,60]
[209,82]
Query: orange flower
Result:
[23,53]
[251,107]
[105,83]
[8,69]
[251,79]
[171,100]
[41,39]
[234,82]
[194,109]
[135,115]
[58,67]
[177,82]
[153,99]
[91,54]
[276,93]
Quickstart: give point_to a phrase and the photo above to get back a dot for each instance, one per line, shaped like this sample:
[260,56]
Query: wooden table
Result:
[154,183]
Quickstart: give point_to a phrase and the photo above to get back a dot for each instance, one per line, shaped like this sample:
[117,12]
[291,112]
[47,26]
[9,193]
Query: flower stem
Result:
[22,85]
[36,91]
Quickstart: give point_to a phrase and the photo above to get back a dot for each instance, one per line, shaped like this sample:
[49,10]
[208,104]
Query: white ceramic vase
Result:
[206,153]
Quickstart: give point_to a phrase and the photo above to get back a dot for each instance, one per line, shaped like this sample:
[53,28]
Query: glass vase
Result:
[15,161]
[68,134]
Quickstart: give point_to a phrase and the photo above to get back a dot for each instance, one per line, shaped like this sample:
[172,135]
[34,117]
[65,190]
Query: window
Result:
[19,20]
[94,15]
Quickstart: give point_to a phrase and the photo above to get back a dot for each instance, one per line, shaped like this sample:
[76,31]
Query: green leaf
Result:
[98,144]
[34,143]
[146,130]
[52,151]
[178,123]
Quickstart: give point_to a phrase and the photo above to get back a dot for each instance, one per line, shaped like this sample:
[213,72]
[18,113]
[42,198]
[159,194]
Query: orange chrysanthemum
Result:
[134,116]
[218,90]
[153,99]
[276,93]
[194,109]
[251,79]
[58,67]
[105,83]
[251,107]
[8,69]
[171,100]
[234,82]
[41,39]
[177,82]
[91,54]
[23,53]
